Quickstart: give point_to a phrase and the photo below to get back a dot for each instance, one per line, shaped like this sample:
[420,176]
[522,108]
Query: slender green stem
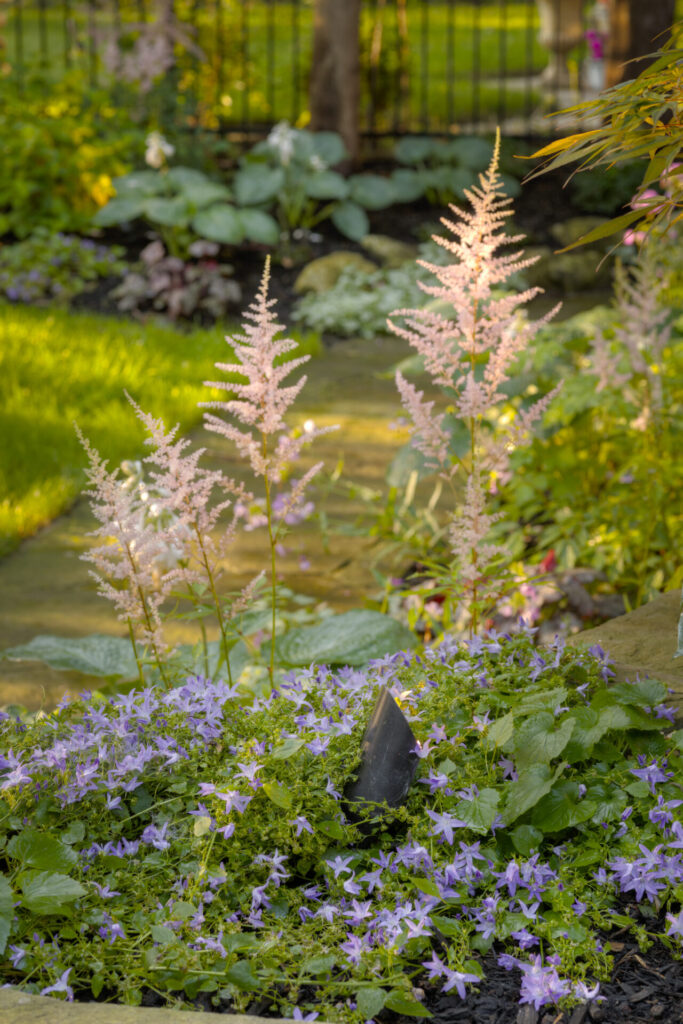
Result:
[131,633]
[217,604]
[273,580]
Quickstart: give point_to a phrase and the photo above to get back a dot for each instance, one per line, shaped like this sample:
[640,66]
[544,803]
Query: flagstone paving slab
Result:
[643,642]
[21,1008]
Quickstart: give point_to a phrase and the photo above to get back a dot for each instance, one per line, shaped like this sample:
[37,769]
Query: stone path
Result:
[45,586]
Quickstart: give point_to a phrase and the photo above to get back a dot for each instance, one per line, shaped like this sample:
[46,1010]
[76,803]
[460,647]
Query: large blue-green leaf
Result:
[414,149]
[120,210]
[259,226]
[326,185]
[329,146]
[140,183]
[172,213]
[257,183]
[351,220]
[48,892]
[187,177]
[95,655]
[200,196]
[352,638]
[372,191]
[471,151]
[219,223]
[408,183]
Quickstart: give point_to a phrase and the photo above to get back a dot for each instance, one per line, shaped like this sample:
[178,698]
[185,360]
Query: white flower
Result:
[158,149]
[281,139]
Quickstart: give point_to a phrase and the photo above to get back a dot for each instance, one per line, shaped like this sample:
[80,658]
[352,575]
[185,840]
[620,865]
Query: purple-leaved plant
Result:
[260,404]
[469,354]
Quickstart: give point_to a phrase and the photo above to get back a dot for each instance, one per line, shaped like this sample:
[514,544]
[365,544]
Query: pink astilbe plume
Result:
[469,354]
[127,561]
[261,403]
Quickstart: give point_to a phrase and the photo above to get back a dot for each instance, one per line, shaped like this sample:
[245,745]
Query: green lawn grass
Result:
[58,368]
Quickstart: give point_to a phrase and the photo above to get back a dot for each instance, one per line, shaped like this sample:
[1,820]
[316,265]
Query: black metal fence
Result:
[427,65]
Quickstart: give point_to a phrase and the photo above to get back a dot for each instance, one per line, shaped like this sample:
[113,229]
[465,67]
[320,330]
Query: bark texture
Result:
[335,73]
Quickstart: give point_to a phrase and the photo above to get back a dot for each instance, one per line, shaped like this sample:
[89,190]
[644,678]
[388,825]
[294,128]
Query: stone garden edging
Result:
[18,1007]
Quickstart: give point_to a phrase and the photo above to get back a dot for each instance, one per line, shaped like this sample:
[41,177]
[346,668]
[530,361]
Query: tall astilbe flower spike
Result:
[128,557]
[486,328]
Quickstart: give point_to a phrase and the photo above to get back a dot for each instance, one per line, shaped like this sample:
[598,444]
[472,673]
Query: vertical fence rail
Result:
[428,65]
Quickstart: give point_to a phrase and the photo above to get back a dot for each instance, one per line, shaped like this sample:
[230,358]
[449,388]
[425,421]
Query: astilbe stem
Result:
[260,402]
[484,329]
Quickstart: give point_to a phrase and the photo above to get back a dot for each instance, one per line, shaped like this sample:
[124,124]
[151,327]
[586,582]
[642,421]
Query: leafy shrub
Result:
[55,268]
[59,155]
[242,873]
[177,287]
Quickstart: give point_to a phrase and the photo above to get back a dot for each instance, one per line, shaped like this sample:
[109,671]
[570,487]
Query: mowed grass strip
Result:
[58,368]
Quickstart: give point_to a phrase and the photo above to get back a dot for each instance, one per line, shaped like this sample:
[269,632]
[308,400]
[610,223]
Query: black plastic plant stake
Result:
[388,758]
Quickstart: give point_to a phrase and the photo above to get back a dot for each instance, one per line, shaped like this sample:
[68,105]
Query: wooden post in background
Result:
[637,28]
[334,92]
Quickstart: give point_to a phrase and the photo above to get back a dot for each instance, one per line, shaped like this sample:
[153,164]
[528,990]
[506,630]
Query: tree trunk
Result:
[637,28]
[335,74]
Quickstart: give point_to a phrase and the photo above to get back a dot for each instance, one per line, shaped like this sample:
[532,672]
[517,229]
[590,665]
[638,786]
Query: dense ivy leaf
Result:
[326,185]
[351,220]
[532,784]
[219,223]
[333,829]
[6,911]
[541,700]
[163,935]
[541,738]
[41,850]
[369,1001]
[74,833]
[257,183]
[243,976]
[201,826]
[238,942]
[372,191]
[278,794]
[259,227]
[120,210]
[95,655]
[427,886]
[677,739]
[562,808]
[499,732]
[446,925]
[48,892]
[351,638]
[526,838]
[399,1002]
[479,814]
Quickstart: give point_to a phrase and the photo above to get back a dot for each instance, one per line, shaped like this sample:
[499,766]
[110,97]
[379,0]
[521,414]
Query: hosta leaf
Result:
[219,223]
[95,655]
[184,178]
[140,183]
[120,210]
[201,195]
[326,185]
[172,213]
[351,220]
[48,892]
[479,813]
[562,808]
[6,911]
[259,226]
[257,183]
[330,147]
[471,151]
[372,191]
[532,784]
[41,850]
[352,638]
[540,738]
[414,149]
[278,794]
[369,1001]
[409,185]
